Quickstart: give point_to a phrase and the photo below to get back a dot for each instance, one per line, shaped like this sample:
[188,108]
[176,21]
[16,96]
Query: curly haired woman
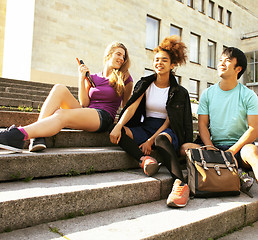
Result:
[165,108]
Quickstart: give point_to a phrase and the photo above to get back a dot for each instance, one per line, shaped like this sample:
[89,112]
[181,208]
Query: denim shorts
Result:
[146,129]
[105,120]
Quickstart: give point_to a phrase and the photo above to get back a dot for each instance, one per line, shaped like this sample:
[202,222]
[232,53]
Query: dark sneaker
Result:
[12,139]
[37,144]
[149,165]
[179,195]
[245,180]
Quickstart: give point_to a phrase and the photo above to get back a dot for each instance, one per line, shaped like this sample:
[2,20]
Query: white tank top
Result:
[156,99]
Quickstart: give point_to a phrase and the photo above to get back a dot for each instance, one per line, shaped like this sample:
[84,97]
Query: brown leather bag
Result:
[212,173]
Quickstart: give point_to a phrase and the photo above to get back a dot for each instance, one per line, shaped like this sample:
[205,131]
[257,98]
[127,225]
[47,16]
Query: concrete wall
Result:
[64,30]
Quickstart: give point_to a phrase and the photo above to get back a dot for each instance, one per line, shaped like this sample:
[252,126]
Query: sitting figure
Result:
[165,108]
[94,112]
[228,115]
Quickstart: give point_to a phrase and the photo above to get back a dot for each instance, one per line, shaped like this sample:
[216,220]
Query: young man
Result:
[228,115]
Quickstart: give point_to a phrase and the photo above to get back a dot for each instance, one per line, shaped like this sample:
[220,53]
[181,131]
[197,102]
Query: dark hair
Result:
[175,49]
[231,53]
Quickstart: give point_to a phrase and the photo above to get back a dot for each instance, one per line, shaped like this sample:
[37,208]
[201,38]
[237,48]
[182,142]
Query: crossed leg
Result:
[249,155]
[61,110]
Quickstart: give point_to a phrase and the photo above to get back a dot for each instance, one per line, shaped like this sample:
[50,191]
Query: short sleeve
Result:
[252,104]
[203,108]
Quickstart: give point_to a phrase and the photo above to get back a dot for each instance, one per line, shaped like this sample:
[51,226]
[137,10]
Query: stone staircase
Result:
[83,187]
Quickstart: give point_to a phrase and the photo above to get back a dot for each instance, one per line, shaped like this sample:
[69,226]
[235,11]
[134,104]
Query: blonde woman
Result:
[94,112]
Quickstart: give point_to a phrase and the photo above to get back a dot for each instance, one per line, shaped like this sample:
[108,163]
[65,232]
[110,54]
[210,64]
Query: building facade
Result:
[43,38]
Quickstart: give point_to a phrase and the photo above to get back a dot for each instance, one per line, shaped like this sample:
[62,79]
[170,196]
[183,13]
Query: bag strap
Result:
[206,146]
[226,161]
[204,164]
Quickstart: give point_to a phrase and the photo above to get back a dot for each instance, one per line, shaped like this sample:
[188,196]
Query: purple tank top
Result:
[103,96]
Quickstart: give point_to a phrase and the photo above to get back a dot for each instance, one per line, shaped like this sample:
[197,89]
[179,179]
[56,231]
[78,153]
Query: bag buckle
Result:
[204,164]
[217,169]
[226,161]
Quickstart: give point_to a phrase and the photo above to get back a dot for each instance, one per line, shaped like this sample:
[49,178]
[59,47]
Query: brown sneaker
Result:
[149,165]
[179,196]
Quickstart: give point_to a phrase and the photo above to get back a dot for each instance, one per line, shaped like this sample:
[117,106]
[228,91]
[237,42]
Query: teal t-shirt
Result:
[228,112]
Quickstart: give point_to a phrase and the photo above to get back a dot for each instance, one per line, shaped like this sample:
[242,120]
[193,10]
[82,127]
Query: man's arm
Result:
[203,123]
[249,136]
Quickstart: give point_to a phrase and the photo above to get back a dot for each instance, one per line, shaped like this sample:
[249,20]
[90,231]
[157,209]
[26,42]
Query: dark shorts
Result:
[105,120]
[150,125]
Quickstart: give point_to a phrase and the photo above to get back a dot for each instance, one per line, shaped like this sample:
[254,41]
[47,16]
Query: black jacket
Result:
[178,108]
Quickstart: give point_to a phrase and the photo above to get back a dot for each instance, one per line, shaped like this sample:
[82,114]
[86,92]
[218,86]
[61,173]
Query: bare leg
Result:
[249,154]
[79,118]
[186,146]
[59,97]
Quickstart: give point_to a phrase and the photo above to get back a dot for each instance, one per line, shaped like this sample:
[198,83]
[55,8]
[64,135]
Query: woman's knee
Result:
[62,116]
[59,88]
[161,138]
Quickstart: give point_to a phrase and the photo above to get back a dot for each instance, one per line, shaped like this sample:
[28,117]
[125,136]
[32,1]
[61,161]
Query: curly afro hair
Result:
[175,49]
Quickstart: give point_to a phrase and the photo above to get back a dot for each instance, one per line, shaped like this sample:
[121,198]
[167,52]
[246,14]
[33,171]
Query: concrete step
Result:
[201,219]
[64,161]
[28,84]
[19,96]
[25,93]
[27,89]
[39,201]
[20,102]
[7,118]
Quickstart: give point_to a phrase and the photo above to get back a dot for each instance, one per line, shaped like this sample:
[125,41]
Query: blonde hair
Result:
[118,76]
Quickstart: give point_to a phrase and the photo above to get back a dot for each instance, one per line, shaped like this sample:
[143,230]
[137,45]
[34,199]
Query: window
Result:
[211,9]
[251,73]
[209,84]
[178,79]
[148,72]
[211,54]
[194,48]
[190,3]
[201,6]
[174,30]
[152,33]
[228,19]
[224,47]
[194,89]
[220,14]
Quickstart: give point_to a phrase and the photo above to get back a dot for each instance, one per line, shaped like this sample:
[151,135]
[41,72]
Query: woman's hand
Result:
[82,69]
[115,134]
[146,147]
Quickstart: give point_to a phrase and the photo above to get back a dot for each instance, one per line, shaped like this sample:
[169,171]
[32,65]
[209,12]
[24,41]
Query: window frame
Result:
[174,26]
[209,55]
[194,95]
[158,33]
[211,9]
[202,6]
[198,46]
[220,14]
[229,19]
